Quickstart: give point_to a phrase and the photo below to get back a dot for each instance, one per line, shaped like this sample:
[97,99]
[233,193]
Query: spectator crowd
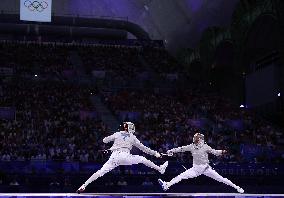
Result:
[34,58]
[58,121]
[165,121]
[48,123]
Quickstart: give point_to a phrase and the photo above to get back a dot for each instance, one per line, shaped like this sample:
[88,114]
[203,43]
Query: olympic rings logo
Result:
[38,6]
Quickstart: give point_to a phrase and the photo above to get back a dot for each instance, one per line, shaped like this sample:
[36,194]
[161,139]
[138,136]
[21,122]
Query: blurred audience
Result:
[28,58]
[54,121]
[165,121]
[57,120]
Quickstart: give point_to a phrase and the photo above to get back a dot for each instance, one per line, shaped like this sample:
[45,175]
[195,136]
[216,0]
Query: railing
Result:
[130,43]
[72,15]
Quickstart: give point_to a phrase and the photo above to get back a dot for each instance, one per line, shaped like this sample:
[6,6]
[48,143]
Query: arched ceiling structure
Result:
[179,23]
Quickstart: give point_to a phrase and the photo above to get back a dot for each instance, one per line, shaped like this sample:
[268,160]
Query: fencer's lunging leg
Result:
[190,173]
[214,175]
[107,167]
[137,159]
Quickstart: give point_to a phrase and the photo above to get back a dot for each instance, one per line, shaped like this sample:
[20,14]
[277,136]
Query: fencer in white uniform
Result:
[199,151]
[124,140]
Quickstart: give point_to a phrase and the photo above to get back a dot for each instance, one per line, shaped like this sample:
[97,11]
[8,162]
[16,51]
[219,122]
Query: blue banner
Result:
[235,124]
[198,123]
[7,113]
[250,151]
[52,167]
[85,114]
[129,116]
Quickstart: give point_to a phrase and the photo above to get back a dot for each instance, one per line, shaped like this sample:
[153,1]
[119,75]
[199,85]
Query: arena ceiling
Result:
[179,23]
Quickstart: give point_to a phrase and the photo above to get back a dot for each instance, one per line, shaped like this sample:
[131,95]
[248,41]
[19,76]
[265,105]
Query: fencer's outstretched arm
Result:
[145,149]
[214,151]
[180,149]
[109,138]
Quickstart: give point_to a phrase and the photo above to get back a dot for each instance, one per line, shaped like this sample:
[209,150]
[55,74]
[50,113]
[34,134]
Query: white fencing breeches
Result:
[118,158]
[197,170]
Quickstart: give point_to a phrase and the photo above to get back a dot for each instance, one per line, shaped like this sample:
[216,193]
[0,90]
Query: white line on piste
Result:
[139,194]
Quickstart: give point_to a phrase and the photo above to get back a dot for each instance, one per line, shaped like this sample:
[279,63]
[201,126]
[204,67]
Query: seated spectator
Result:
[147,182]
[122,182]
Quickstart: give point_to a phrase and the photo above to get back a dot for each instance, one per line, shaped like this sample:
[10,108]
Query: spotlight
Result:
[35,75]
[242,106]
[278,94]
[146,7]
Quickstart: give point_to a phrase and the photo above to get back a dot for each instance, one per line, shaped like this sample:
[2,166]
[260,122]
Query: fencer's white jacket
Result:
[199,155]
[124,141]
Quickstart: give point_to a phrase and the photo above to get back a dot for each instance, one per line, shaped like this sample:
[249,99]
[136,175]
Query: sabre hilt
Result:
[165,154]
[104,151]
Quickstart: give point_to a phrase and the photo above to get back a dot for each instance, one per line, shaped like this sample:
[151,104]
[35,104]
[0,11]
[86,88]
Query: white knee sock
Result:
[150,164]
[190,173]
[105,169]
[229,183]
[92,178]
[175,180]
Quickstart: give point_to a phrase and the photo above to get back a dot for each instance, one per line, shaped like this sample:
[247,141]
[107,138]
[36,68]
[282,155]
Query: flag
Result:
[35,10]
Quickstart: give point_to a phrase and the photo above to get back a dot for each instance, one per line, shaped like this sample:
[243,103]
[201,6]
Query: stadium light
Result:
[35,75]
[146,7]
